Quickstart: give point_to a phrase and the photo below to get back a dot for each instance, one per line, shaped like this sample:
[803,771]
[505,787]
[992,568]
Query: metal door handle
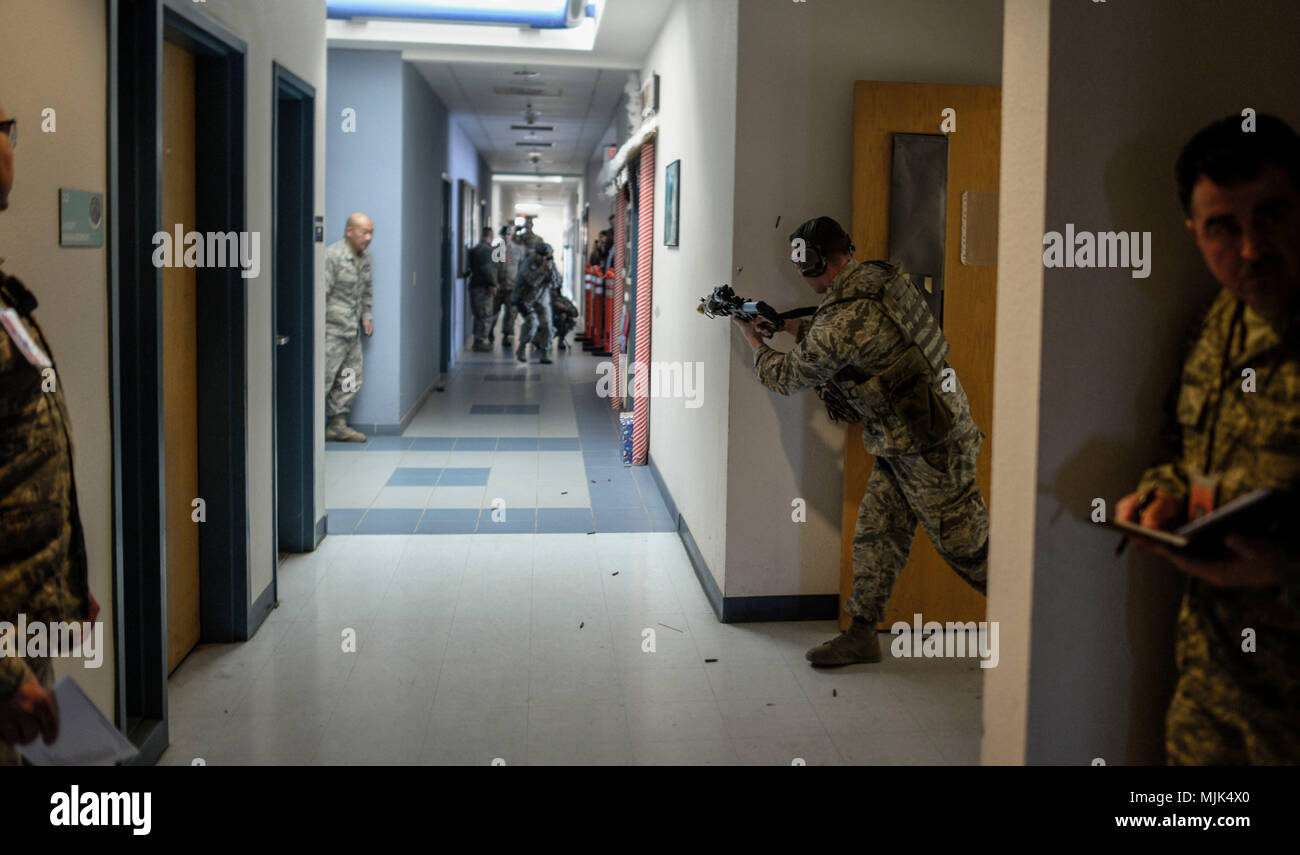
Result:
[281,340]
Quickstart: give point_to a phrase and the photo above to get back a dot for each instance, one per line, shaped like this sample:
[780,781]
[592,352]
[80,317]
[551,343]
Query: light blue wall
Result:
[363,172]
[424,158]
[463,163]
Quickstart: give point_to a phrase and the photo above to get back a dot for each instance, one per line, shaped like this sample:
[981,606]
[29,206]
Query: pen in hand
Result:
[1143,501]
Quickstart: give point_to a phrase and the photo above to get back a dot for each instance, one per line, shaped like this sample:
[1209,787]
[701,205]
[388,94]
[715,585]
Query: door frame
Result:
[301,535]
[136,32]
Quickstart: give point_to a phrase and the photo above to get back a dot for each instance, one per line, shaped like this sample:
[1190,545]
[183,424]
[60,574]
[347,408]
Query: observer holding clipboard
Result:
[1237,699]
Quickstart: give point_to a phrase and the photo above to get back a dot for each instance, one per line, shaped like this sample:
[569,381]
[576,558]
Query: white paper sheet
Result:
[86,737]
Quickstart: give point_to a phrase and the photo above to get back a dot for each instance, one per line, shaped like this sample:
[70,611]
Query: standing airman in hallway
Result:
[507,270]
[349,296]
[875,354]
[1237,648]
[43,567]
[482,288]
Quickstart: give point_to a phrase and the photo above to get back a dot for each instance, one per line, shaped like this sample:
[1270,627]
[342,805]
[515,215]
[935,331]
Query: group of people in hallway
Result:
[518,274]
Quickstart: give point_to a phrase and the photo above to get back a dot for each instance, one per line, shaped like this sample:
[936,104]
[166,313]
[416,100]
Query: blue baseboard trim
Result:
[261,610]
[322,526]
[742,609]
[792,607]
[151,738]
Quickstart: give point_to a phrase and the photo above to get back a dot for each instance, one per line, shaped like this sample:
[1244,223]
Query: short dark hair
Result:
[487,231]
[827,234]
[1227,155]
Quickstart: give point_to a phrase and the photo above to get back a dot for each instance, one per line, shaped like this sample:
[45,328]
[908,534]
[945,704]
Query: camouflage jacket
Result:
[1249,439]
[482,269]
[349,292]
[43,569]
[533,282]
[879,372]
[507,270]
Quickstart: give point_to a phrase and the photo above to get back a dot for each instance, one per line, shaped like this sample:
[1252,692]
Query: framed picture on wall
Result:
[672,201]
[468,214]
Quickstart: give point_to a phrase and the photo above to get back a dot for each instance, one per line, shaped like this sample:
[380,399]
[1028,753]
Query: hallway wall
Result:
[364,173]
[71,284]
[695,57]
[794,161]
[1128,86]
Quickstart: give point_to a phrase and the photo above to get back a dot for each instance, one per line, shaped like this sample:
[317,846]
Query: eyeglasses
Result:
[9,127]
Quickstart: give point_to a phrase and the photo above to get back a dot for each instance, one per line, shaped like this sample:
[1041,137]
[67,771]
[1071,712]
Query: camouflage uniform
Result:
[482,286]
[506,272]
[349,297]
[1232,706]
[564,313]
[875,353]
[43,567]
[532,296]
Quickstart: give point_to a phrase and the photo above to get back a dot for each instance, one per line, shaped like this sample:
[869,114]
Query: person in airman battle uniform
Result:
[532,296]
[1237,649]
[482,288]
[565,315]
[43,567]
[507,270]
[349,297]
[875,354]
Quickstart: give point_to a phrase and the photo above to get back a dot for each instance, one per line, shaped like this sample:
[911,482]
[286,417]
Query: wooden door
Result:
[927,584]
[180,371]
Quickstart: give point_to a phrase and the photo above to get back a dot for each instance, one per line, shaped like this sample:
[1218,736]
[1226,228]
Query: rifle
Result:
[723,303]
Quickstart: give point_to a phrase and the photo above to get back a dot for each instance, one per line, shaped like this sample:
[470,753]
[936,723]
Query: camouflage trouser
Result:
[1212,722]
[500,302]
[341,353]
[480,305]
[44,670]
[937,488]
[536,326]
[566,316]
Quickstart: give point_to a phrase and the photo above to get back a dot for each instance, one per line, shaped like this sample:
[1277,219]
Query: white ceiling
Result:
[487,99]
[580,88]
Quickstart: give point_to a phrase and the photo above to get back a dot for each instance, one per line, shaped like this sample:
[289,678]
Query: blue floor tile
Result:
[389,443]
[517,521]
[621,519]
[448,521]
[466,477]
[516,443]
[564,520]
[559,443]
[608,496]
[389,521]
[433,443]
[345,446]
[413,476]
[343,520]
[476,443]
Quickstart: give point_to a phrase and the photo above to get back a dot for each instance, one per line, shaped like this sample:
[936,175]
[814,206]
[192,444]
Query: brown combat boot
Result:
[859,643]
[338,431]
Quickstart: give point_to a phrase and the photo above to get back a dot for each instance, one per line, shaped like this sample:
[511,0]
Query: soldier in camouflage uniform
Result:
[43,567]
[1237,699]
[875,354]
[348,301]
[532,296]
[565,316]
[482,289]
[507,270]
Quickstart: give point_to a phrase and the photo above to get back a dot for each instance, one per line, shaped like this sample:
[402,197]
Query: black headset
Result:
[817,233]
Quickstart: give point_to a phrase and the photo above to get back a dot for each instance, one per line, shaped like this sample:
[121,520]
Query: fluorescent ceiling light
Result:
[516,178]
[540,14]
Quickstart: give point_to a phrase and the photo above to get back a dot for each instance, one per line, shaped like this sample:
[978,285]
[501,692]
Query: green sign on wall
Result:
[81,218]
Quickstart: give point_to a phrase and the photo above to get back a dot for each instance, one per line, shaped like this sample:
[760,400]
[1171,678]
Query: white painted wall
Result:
[794,160]
[56,55]
[695,57]
[292,33]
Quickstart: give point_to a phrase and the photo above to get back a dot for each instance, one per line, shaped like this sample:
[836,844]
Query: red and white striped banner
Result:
[614,301]
[645,251]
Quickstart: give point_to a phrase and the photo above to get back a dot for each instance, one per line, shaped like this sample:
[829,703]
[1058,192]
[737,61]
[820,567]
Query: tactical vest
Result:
[912,415]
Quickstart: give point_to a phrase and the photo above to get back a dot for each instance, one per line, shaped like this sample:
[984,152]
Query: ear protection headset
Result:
[820,235]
